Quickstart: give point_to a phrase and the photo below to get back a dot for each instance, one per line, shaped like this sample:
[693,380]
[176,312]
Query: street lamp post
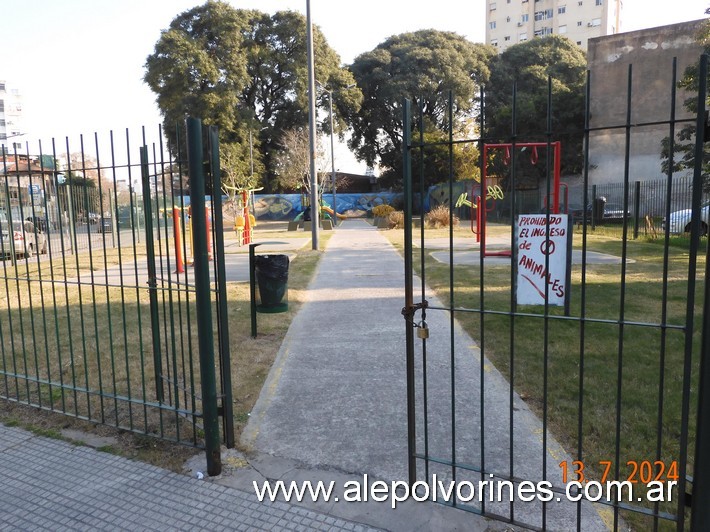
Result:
[315,208]
[332,158]
[332,145]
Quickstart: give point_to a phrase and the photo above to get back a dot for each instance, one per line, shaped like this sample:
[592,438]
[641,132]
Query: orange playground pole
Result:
[208,224]
[178,241]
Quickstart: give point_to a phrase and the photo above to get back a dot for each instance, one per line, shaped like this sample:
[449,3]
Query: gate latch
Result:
[408,313]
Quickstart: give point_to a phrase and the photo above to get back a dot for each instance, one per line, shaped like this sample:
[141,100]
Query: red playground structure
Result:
[480,204]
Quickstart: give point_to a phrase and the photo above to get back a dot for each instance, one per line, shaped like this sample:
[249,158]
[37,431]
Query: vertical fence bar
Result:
[152,278]
[700,513]
[423,288]
[409,290]
[637,208]
[452,317]
[225,359]
[195,159]
[666,259]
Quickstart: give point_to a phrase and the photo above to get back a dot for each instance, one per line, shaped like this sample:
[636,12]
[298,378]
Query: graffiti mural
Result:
[289,206]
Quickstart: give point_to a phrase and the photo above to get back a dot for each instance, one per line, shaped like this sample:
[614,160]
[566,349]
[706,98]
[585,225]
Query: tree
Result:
[293,163]
[684,144]
[423,65]
[528,66]
[242,70]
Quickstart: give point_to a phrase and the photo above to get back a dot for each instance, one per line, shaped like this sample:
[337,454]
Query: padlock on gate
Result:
[422,330]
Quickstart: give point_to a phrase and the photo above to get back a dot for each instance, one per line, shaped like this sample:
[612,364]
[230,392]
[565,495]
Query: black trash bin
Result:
[598,209]
[271,272]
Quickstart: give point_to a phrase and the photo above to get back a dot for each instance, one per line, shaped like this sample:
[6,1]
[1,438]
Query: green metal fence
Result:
[612,386]
[102,317]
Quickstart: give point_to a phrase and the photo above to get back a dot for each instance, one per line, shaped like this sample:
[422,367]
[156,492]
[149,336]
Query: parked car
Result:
[615,212]
[679,221]
[26,237]
[105,226]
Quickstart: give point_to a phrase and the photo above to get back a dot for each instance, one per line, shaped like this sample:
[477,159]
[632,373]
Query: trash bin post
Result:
[252,287]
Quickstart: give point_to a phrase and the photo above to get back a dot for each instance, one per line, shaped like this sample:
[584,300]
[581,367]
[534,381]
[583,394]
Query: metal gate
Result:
[115,285]
[511,404]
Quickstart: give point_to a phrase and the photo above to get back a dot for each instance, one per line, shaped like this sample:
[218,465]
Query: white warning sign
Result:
[542,259]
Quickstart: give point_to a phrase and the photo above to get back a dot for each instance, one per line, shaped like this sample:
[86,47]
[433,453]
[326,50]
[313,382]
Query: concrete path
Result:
[335,399]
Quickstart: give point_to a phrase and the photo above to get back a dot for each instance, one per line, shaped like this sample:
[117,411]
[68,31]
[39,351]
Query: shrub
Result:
[439,216]
[396,219]
[382,211]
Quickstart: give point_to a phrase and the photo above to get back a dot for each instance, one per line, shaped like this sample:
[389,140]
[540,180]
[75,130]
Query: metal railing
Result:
[502,393]
[99,319]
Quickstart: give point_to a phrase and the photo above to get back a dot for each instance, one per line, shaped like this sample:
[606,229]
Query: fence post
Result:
[223,326]
[409,293]
[637,206]
[195,160]
[152,276]
[700,513]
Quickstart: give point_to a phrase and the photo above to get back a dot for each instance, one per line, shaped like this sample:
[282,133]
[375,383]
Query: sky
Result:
[79,64]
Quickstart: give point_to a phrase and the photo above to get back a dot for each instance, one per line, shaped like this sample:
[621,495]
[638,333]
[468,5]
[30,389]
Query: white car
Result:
[27,239]
[679,221]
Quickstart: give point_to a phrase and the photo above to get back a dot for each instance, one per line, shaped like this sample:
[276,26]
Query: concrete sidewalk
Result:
[47,484]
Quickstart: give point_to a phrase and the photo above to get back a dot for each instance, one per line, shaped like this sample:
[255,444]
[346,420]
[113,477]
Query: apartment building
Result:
[510,22]
[10,118]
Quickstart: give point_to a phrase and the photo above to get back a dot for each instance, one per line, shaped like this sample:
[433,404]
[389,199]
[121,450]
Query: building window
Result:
[579,3]
[543,31]
[596,22]
[494,42]
[506,38]
[579,23]
[600,2]
[493,6]
[543,15]
[2,86]
[561,10]
[562,29]
[579,43]
[492,24]
[3,136]
[523,37]
[524,18]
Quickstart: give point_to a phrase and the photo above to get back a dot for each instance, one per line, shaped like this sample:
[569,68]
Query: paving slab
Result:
[49,484]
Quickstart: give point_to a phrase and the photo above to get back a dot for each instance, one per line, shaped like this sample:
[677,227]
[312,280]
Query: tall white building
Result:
[510,22]
[10,118]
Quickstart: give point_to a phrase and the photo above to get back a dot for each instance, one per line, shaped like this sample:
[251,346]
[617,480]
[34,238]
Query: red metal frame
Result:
[481,203]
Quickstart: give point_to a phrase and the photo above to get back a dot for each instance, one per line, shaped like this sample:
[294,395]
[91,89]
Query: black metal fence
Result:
[102,316]
[507,395]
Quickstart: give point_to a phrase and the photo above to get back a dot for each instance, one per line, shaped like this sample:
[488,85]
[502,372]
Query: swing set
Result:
[485,201]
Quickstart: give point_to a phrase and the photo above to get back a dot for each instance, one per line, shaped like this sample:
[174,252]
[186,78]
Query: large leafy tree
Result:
[531,67]
[244,71]
[424,66]
[684,144]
